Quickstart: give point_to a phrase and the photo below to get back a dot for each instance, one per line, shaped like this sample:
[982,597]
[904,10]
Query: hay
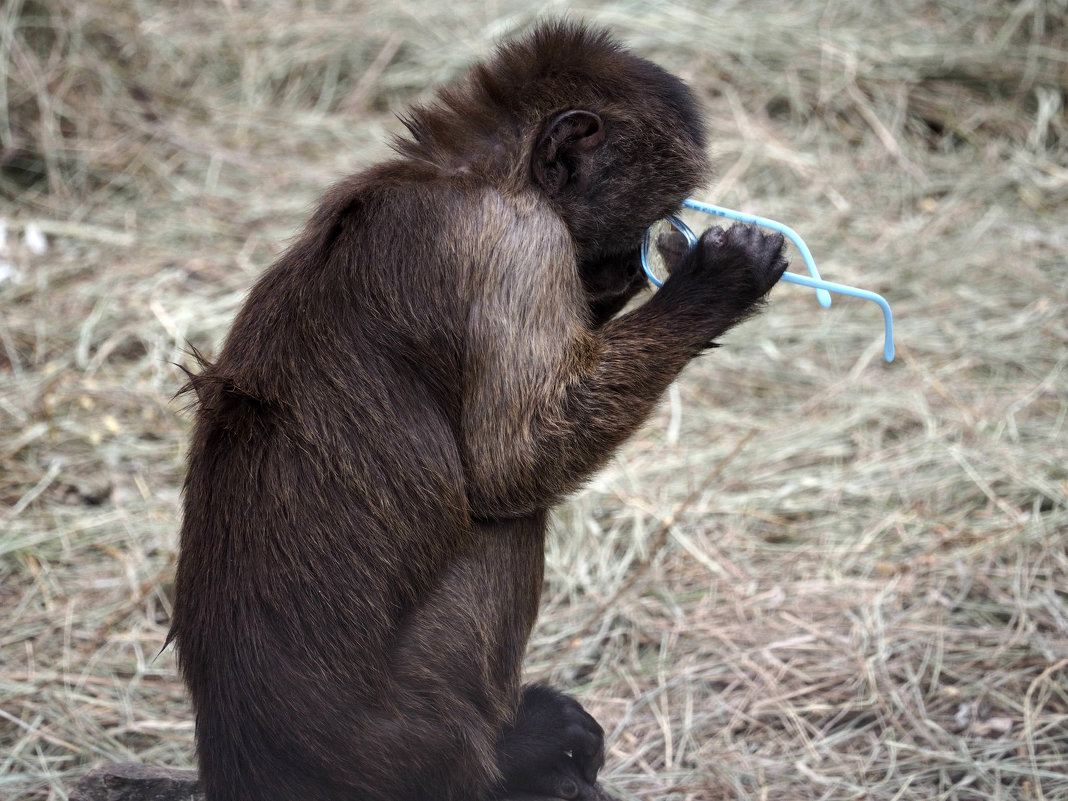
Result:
[869,599]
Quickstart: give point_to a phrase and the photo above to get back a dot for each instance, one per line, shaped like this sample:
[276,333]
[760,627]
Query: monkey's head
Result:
[613,141]
[626,148]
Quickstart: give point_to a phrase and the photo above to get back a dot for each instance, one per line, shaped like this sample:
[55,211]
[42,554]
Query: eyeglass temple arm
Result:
[843,289]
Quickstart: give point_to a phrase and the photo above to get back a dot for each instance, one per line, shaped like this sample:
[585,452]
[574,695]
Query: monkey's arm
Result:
[547,399]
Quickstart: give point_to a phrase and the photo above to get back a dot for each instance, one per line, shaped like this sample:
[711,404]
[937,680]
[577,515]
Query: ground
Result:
[812,575]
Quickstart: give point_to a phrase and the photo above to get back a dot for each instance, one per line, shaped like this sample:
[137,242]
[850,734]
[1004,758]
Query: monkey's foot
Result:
[554,749]
[593,793]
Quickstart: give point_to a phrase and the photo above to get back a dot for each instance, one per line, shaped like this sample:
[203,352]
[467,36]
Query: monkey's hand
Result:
[555,748]
[724,278]
[737,266]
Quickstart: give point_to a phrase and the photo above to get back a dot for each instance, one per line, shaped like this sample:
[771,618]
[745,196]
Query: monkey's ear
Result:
[561,155]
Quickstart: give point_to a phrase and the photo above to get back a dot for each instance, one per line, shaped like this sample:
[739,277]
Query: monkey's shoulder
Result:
[405,213]
[408,189]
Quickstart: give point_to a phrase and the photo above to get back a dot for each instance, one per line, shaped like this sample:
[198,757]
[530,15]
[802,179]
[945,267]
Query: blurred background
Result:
[812,575]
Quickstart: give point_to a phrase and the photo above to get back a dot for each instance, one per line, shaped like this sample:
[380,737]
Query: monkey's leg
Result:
[467,639]
[462,647]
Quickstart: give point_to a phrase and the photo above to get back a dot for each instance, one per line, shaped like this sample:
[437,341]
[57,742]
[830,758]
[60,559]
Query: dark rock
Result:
[129,781]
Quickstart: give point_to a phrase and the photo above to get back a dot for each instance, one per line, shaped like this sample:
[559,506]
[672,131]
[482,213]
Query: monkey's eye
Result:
[665,242]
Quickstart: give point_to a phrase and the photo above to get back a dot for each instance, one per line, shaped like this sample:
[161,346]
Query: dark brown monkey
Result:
[405,393]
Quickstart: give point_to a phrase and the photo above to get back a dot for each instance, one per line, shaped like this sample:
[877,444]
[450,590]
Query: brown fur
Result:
[402,398]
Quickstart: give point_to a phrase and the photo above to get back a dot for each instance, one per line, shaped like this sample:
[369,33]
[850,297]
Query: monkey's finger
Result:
[714,236]
[586,747]
[769,276]
[743,233]
[590,722]
[769,259]
[567,788]
[589,758]
[582,741]
[773,244]
[574,790]
[672,246]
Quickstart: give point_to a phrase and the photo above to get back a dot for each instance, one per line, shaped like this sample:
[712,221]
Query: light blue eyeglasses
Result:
[657,273]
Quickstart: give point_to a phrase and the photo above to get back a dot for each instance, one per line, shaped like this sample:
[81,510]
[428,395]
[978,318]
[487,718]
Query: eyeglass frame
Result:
[813,280]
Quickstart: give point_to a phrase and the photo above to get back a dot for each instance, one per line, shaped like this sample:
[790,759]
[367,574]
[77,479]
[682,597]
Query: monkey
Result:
[440,356]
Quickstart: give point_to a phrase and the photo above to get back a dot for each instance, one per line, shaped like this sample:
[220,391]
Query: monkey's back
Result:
[324,495]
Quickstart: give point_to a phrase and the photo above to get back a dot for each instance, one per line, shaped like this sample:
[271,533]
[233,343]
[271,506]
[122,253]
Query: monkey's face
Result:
[624,160]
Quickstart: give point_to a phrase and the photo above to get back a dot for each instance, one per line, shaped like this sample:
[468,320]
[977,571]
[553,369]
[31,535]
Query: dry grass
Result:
[862,591]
